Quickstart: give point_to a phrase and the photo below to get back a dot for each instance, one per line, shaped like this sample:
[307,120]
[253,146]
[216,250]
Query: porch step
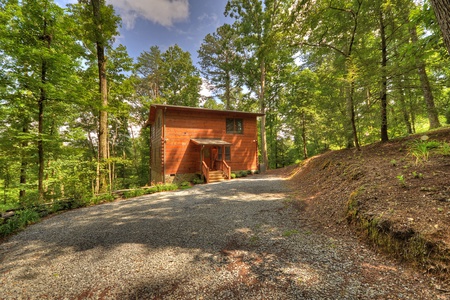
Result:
[215,176]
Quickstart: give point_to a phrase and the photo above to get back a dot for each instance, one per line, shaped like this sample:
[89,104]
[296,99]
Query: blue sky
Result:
[166,22]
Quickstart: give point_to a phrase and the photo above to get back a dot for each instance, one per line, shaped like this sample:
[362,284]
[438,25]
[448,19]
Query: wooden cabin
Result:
[188,142]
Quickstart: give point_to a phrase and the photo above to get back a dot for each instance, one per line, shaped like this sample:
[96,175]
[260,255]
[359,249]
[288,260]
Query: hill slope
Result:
[398,202]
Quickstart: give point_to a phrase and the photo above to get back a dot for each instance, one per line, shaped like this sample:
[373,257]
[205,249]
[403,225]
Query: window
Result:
[227,153]
[235,126]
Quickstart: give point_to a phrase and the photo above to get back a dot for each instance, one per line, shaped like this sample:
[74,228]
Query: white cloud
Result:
[211,17]
[163,12]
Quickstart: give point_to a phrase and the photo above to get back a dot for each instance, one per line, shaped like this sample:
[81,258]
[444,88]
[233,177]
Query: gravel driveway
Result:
[237,239]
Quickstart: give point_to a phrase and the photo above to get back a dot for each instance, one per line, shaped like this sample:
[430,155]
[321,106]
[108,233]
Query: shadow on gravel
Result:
[204,217]
[213,221]
[232,240]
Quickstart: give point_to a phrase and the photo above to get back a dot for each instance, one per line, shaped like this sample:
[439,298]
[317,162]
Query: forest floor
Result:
[399,205]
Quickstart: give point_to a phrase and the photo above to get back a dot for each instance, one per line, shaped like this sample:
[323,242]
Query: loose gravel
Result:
[238,239]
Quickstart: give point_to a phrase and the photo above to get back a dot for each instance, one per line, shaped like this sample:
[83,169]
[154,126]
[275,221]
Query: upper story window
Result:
[235,126]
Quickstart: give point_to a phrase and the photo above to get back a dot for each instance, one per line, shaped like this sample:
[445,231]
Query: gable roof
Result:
[199,110]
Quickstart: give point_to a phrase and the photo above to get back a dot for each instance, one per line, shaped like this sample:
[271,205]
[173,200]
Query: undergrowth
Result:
[25,216]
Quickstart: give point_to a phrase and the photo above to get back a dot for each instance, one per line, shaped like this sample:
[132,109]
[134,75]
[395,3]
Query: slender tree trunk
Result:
[352,114]
[228,88]
[404,107]
[405,114]
[383,91]
[305,150]
[442,11]
[103,116]
[262,104]
[40,142]
[42,98]
[23,164]
[433,117]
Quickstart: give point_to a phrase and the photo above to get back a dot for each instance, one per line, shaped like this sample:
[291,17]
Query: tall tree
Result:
[181,83]
[100,28]
[218,60]
[40,55]
[258,25]
[433,117]
[149,70]
[334,26]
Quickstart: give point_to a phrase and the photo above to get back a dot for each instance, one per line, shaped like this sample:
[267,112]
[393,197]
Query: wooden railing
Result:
[205,171]
[226,169]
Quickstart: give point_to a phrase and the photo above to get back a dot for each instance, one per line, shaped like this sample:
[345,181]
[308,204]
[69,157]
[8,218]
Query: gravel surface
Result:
[237,239]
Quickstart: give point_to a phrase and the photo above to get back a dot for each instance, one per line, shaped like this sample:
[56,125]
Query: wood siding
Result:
[157,149]
[181,156]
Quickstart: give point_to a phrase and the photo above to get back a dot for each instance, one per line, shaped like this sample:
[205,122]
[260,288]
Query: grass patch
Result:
[289,233]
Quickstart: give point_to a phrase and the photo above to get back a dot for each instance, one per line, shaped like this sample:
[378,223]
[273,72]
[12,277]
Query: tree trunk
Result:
[262,104]
[442,11]
[383,91]
[305,150]
[433,117]
[23,164]
[42,98]
[404,109]
[352,115]
[228,88]
[103,116]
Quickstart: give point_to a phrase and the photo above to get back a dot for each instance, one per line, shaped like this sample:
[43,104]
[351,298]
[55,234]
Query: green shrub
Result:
[185,185]
[151,190]
[19,221]
[198,181]
[420,149]
[445,148]
[233,175]
[243,173]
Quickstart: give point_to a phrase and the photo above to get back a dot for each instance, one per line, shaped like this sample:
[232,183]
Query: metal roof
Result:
[210,142]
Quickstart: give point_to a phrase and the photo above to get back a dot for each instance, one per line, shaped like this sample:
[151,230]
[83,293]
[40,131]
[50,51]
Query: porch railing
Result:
[205,171]
[226,169]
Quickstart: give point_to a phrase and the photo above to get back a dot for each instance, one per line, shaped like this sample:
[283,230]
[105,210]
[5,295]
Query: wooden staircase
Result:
[216,176]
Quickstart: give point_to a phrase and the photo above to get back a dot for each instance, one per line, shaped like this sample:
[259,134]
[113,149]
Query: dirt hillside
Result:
[395,195]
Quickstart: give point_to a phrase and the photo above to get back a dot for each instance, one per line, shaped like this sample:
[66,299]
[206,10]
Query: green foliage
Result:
[445,149]
[198,181]
[185,185]
[417,175]
[401,180]
[150,190]
[420,149]
[289,233]
[233,175]
[169,76]
[20,220]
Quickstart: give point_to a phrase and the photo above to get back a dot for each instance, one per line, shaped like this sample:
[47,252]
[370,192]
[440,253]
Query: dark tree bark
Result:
[46,38]
[383,92]
[442,11]
[103,114]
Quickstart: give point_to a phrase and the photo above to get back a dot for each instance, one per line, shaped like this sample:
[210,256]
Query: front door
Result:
[214,156]
[210,155]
